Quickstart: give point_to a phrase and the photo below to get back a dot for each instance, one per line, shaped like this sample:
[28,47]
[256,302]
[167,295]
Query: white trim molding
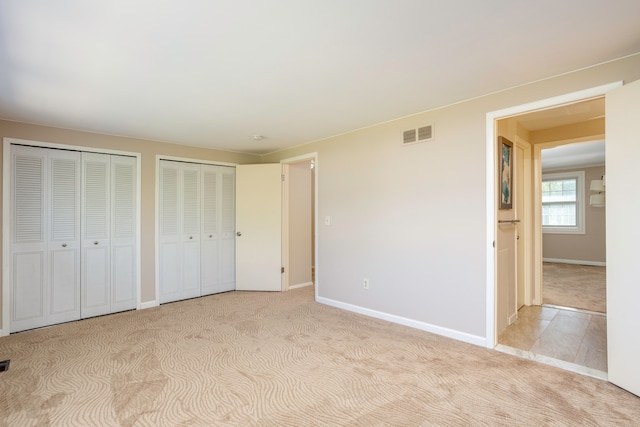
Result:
[575,261]
[416,324]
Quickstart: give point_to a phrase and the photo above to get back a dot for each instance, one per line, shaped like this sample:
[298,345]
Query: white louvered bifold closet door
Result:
[108,234]
[179,230]
[124,273]
[218,229]
[45,241]
[197,230]
[96,241]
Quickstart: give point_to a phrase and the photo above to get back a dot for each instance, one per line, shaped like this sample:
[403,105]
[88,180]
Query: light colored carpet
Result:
[577,286]
[280,359]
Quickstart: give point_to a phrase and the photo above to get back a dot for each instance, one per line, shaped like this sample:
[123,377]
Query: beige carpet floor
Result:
[280,359]
[577,286]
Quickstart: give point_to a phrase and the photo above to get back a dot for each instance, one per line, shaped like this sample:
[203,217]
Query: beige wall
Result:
[591,246]
[413,219]
[149,150]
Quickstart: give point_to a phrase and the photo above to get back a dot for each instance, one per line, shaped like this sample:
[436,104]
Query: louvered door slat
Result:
[96,199]
[28,199]
[169,199]
[191,202]
[64,199]
[209,200]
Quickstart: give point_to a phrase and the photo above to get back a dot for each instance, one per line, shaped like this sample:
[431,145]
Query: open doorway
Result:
[573,225]
[299,219]
[559,319]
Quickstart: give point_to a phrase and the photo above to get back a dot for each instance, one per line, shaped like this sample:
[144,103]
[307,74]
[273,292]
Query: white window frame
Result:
[579,228]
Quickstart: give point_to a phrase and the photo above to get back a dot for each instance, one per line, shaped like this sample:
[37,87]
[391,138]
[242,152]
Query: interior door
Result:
[218,229]
[123,233]
[623,235]
[506,237]
[95,235]
[259,227]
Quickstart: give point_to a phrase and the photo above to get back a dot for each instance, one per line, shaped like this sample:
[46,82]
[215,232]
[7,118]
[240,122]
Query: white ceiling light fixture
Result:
[258,137]
[598,186]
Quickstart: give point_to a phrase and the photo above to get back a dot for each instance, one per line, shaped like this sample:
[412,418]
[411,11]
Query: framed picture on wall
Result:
[506,173]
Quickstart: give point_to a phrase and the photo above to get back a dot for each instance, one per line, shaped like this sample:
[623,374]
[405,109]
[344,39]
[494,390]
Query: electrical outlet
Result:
[365,283]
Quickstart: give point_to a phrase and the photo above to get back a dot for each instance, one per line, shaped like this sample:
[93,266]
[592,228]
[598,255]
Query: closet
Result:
[197,226]
[73,235]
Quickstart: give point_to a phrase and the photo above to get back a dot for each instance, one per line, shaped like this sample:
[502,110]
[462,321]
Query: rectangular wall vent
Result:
[422,134]
[425,133]
[409,136]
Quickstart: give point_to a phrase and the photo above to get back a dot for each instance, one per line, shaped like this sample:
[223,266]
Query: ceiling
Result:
[584,154]
[568,156]
[213,73]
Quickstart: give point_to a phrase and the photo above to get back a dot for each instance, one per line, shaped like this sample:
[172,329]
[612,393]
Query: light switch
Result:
[327,220]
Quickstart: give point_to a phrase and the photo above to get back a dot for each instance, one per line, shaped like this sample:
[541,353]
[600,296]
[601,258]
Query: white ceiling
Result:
[213,73]
[585,154]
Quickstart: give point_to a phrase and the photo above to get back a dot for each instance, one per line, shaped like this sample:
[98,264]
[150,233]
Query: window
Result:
[563,203]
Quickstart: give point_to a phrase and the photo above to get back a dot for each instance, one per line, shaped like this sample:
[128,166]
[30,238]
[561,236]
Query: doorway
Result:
[570,324]
[555,112]
[299,222]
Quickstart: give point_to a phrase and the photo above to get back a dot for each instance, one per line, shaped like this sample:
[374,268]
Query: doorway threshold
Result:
[576,310]
[567,366]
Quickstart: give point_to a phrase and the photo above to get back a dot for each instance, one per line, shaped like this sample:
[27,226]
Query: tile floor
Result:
[569,335]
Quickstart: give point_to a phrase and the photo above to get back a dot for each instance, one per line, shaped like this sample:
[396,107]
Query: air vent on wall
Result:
[409,136]
[422,134]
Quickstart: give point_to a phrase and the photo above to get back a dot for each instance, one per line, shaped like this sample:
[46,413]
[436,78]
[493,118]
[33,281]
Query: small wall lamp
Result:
[598,186]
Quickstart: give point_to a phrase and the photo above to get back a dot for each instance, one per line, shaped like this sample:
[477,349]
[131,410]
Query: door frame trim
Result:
[285,217]
[6,215]
[490,201]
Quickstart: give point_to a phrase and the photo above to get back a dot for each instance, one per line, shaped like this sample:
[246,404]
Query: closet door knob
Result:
[95,243]
[64,245]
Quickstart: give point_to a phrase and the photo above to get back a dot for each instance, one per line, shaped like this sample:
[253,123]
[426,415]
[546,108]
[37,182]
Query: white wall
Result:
[412,219]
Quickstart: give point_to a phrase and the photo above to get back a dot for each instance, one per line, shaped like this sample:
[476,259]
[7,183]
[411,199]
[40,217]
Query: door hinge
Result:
[282,270]
[282,176]
[494,243]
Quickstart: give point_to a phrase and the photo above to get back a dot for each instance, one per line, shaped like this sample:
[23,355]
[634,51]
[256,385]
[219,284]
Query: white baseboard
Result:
[438,330]
[4,332]
[574,261]
[148,304]
[301,285]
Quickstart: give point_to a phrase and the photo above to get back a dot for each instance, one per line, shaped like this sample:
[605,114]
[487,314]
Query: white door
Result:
[506,248]
[258,226]
[95,235]
[123,233]
[108,234]
[190,225]
[64,241]
[45,241]
[218,229]
[179,231]
[623,236]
